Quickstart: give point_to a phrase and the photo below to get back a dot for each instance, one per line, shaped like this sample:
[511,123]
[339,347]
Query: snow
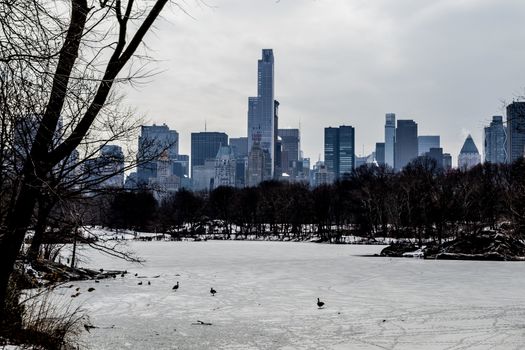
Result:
[267,293]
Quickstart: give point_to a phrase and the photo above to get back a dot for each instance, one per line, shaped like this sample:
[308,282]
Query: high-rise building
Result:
[515,131]
[468,156]
[447,161]
[390,139]
[380,153]
[225,167]
[258,166]
[437,155]
[425,143]
[262,110]
[291,148]
[339,150]
[205,145]
[495,137]
[346,150]
[331,150]
[104,171]
[406,143]
[240,146]
[154,140]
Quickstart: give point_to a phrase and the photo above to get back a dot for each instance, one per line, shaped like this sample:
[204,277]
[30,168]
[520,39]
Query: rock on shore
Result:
[488,245]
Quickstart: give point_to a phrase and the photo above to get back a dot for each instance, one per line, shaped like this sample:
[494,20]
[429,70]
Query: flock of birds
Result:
[320,304]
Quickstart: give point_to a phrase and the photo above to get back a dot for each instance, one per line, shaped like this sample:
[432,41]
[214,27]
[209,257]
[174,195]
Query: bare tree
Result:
[50,53]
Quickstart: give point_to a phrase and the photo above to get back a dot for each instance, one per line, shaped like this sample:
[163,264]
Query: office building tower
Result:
[153,141]
[262,110]
[331,150]
[225,167]
[406,143]
[380,153]
[468,156]
[390,139]
[447,161]
[515,131]
[290,148]
[204,146]
[181,166]
[437,155]
[339,150]
[258,166]
[239,146]
[494,141]
[425,143]
[346,150]
[203,176]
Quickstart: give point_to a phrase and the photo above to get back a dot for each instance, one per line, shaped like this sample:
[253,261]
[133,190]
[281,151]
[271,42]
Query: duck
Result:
[212,291]
[320,304]
[140,283]
[175,287]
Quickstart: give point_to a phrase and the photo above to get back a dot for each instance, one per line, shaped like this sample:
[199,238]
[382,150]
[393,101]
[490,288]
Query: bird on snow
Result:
[212,291]
[175,287]
[149,283]
[91,289]
[320,304]
[140,283]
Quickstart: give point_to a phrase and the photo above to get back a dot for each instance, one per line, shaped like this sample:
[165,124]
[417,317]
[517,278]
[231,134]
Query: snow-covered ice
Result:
[267,292]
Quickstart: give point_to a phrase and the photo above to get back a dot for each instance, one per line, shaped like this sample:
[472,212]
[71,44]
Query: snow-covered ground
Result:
[267,292]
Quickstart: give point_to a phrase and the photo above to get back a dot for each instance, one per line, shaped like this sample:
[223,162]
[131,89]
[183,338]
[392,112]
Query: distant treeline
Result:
[421,202]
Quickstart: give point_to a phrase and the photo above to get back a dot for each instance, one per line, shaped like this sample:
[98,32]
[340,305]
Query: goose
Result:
[140,283]
[149,283]
[320,304]
[212,291]
[175,287]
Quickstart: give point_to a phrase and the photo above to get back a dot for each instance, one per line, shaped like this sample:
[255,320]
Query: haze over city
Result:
[446,64]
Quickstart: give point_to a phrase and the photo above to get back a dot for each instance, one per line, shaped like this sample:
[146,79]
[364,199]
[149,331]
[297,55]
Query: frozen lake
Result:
[267,293]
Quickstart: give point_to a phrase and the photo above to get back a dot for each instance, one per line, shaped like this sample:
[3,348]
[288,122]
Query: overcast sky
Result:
[447,64]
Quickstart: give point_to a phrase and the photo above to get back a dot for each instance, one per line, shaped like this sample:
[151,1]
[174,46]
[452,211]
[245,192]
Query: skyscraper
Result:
[346,150]
[205,145]
[380,153]
[262,110]
[331,150]
[494,144]
[153,141]
[291,148]
[425,143]
[468,156]
[390,139]
[406,143]
[515,131]
[339,150]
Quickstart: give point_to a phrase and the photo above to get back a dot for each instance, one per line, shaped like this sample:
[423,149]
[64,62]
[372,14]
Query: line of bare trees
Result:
[421,202]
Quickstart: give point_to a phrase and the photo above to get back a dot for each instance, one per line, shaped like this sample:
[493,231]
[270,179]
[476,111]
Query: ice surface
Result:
[267,293]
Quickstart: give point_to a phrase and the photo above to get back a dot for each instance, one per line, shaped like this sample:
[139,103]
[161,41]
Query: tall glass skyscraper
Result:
[390,138]
[515,131]
[425,143]
[331,150]
[406,143]
[205,146]
[339,150]
[262,109]
[495,137]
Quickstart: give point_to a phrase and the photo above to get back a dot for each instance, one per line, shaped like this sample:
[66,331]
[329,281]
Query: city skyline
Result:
[435,62]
